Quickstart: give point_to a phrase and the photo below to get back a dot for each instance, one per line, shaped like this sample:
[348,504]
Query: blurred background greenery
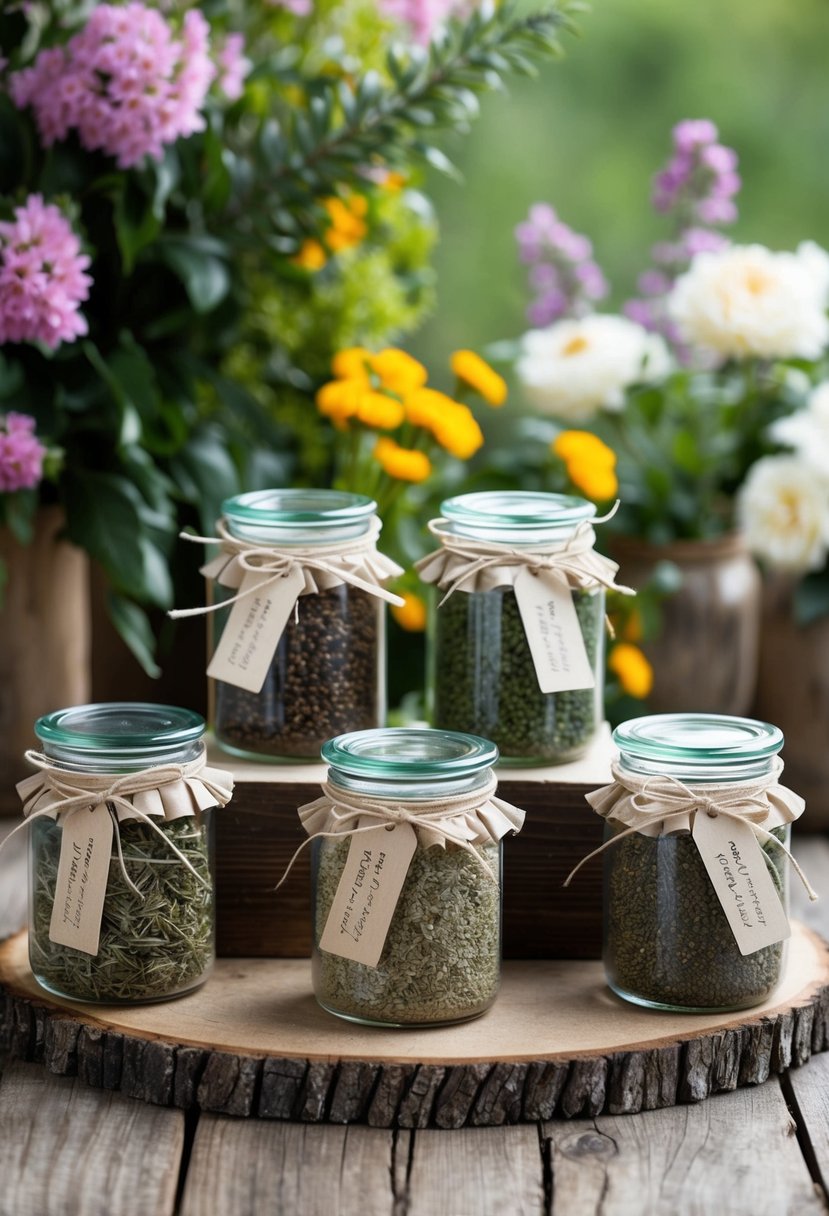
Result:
[588,135]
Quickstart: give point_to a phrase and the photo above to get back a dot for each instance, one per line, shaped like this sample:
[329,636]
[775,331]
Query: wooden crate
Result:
[259,831]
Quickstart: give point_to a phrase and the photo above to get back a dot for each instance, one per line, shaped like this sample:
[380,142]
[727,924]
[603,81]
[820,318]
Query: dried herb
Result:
[667,939]
[486,683]
[325,680]
[441,960]
[149,949]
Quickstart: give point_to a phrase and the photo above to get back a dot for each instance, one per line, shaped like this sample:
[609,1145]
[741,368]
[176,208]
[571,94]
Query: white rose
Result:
[807,431]
[576,367]
[784,512]
[746,300]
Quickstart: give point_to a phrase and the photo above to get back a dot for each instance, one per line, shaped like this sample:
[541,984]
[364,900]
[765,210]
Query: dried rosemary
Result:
[441,959]
[150,948]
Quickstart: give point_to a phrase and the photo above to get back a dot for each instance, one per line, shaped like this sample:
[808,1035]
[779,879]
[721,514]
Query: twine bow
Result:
[355,562]
[663,803]
[476,817]
[483,563]
[168,790]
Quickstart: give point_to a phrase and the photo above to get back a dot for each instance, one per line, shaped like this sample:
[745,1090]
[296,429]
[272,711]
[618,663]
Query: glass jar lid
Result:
[698,747]
[516,516]
[298,516]
[121,735]
[409,762]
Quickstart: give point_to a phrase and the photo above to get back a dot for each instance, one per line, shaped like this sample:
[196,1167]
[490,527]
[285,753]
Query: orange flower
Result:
[632,669]
[340,399]
[426,406]
[353,361]
[590,463]
[405,464]
[398,372]
[458,432]
[347,227]
[476,373]
[311,255]
[379,411]
[411,614]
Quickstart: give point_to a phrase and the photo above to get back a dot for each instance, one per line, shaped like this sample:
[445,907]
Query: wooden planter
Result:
[793,693]
[705,658]
[44,639]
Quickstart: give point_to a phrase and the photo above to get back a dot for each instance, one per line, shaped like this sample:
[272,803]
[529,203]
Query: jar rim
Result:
[120,727]
[298,506]
[409,754]
[516,514]
[696,741]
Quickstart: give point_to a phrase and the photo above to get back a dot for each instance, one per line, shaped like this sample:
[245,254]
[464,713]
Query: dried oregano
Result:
[441,959]
[667,938]
[150,948]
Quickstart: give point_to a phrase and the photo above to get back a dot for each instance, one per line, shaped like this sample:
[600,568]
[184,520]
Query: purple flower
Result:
[692,132]
[21,454]
[125,83]
[563,275]
[42,277]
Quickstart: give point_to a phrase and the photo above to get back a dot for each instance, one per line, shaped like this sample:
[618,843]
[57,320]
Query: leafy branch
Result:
[347,127]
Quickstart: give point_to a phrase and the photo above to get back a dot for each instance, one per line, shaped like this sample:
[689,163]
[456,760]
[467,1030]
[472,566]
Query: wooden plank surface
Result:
[66,1150]
[492,1171]
[240,1168]
[734,1154]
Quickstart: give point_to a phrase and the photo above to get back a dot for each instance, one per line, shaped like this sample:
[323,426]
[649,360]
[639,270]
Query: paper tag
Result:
[736,865]
[254,627]
[83,874]
[554,635]
[369,888]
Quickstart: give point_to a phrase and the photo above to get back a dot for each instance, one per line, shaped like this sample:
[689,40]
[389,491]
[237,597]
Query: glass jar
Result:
[667,941]
[483,675]
[441,958]
[157,942]
[327,675]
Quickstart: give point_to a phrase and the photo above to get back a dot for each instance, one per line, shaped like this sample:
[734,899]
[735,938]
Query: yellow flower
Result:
[379,411]
[351,362]
[398,372]
[458,432]
[632,669]
[426,406]
[411,614]
[340,399]
[475,372]
[590,463]
[311,255]
[402,463]
[393,181]
[347,226]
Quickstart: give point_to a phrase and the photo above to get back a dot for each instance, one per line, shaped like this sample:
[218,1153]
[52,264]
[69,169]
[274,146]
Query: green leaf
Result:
[205,276]
[208,469]
[811,598]
[137,223]
[134,627]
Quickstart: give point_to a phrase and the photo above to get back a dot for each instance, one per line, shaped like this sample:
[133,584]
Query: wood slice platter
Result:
[253,1042]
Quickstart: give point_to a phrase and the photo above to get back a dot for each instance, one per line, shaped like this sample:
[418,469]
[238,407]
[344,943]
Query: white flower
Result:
[807,431]
[746,300]
[784,513]
[576,367]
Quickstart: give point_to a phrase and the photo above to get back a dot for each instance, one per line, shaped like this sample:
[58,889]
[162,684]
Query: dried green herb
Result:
[667,939]
[486,683]
[441,960]
[149,949]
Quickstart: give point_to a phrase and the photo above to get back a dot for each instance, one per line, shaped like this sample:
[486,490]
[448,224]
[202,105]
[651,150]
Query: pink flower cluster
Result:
[701,177]
[233,66]
[21,454]
[698,185]
[424,18]
[563,275]
[125,83]
[42,276]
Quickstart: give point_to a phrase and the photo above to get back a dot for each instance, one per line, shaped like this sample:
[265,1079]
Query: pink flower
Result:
[42,277]
[124,83]
[234,66]
[300,8]
[423,17]
[21,454]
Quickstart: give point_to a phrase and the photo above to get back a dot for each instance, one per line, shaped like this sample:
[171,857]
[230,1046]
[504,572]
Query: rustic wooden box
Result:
[259,831]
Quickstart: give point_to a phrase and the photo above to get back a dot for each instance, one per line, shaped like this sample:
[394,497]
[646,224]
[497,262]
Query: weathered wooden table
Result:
[67,1150]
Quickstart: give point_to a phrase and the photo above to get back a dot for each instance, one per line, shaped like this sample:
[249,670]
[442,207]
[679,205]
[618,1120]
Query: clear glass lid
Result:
[298,516]
[121,735]
[410,762]
[698,747]
[516,516]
